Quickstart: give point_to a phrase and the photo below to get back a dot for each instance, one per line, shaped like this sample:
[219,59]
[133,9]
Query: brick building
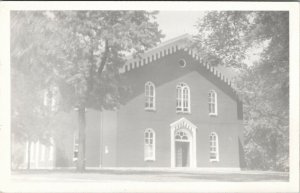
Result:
[182,113]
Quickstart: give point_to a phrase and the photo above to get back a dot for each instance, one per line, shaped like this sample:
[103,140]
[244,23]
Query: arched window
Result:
[75,146]
[149,145]
[181,136]
[212,103]
[149,96]
[183,98]
[51,97]
[214,147]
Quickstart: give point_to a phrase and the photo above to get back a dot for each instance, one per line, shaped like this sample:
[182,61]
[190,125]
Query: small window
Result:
[182,63]
[149,96]
[214,147]
[149,145]
[212,103]
[183,98]
[75,147]
[51,98]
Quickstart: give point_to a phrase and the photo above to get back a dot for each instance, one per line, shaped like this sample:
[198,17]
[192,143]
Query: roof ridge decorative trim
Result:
[166,50]
[214,71]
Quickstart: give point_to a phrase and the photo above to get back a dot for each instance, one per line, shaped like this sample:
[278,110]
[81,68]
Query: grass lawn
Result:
[140,175]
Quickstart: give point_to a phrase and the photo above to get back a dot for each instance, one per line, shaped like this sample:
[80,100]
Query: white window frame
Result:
[183,98]
[150,98]
[51,101]
[32,151]
[47,100]
[75,146]
[54,100]
[213,146]
[148,145]
[212,101]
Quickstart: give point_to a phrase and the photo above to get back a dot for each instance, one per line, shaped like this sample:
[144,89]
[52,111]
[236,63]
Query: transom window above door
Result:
[181,136]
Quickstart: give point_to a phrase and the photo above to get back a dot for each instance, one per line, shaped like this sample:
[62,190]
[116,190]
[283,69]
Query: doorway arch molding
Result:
[184,123]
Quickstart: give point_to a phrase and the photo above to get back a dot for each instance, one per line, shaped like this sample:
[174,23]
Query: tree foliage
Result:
[96,43]
[229,38]
[81,53]
[31,120]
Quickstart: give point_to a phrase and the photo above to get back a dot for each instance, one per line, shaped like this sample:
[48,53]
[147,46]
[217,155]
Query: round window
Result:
[182,63]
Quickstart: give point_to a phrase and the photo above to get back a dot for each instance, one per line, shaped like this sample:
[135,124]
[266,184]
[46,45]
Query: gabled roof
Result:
[157,52]
[183,122]
[169,47]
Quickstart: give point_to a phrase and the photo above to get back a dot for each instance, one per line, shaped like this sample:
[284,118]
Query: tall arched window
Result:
[149,96]
[214,147]
[75,146]
[183,98]
[149,145]
[212,103]
[51,97]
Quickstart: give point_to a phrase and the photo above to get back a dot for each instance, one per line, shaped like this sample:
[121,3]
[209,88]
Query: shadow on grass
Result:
[237,177]
[188,175]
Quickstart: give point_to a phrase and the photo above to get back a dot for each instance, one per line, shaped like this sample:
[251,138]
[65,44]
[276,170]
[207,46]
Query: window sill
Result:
[183,112]
[150,110]
[213,114]
[149,160]
[214,160]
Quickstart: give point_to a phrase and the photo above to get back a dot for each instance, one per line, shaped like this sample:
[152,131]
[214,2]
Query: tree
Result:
[230,38]
[30,45]
[84,51]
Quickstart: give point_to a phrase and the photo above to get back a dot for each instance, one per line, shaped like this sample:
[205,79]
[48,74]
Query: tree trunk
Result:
[28,154]
[81,140]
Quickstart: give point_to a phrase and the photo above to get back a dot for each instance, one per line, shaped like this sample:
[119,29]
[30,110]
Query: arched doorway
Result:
[183,143]
[182,148]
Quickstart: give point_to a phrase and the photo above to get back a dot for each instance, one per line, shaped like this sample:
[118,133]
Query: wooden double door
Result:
[182,153]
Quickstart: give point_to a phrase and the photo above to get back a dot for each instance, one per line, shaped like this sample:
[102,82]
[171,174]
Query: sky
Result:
[176,23]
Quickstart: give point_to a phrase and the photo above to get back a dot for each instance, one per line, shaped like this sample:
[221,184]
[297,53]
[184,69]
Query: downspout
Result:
[101,139]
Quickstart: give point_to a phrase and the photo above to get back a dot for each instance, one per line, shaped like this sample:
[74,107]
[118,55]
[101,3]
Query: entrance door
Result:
[183,144]
[182,154]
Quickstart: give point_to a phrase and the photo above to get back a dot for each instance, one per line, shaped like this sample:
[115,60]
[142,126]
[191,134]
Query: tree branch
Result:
[91,73]
[104,58]
[99,70]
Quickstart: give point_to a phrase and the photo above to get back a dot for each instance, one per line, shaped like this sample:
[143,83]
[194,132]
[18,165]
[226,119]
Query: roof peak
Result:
[179,40]
[169,47]
[173,40]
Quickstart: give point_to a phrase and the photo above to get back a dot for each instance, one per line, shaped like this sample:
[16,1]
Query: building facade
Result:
[182,112]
